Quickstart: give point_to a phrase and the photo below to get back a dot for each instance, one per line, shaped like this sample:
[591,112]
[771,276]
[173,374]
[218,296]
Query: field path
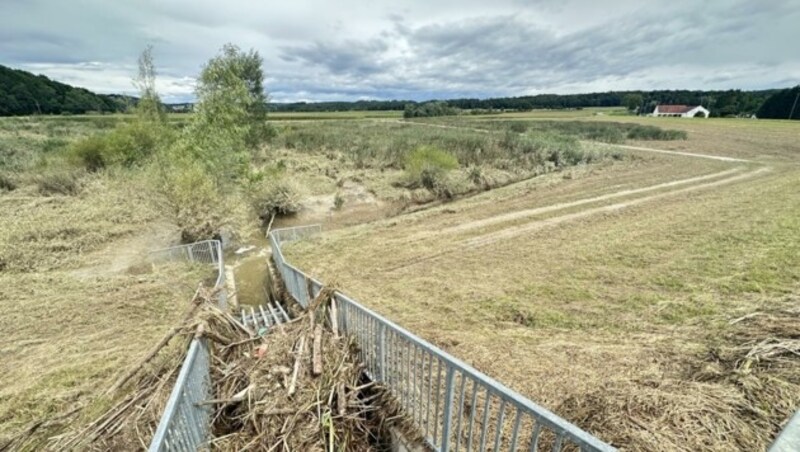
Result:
[520,214]
[681,153]
[723,178]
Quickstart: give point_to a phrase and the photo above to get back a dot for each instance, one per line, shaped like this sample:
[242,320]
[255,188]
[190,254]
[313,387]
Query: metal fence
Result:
[185,424]
[452,404]
[205,252]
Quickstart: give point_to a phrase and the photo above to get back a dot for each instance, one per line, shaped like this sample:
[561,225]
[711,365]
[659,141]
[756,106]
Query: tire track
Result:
[520,214]
[513,231]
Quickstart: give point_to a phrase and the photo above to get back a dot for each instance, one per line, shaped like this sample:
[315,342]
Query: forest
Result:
[23,93]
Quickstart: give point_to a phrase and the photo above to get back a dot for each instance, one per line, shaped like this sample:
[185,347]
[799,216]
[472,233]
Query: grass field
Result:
[650,301]
[647,296]
[80,304]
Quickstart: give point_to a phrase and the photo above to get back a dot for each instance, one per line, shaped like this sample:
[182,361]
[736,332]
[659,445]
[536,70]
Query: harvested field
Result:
[625,296]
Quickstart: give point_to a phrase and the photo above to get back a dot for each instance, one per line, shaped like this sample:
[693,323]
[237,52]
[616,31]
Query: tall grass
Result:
[607,132]
[383,145]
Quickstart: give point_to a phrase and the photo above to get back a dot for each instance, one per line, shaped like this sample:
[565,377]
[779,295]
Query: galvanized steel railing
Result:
[788,440]
[205,252]
[452,404]
[185,424]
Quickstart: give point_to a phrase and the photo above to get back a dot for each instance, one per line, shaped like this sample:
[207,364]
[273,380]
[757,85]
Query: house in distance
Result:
[681,111]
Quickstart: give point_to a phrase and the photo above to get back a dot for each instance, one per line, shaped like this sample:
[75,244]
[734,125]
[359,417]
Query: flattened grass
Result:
[622,322]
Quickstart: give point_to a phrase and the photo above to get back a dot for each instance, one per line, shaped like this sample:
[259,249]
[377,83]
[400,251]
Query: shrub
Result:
[7,183]
[338,201]
[126,145]
[91,152]
[59,181]
[429,109]
[640,132]
[194,199]
[426,166]
[276,196]
[518,127]
[52,144]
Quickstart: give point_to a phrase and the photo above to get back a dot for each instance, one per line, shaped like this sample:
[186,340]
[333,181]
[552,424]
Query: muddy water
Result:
[251,272]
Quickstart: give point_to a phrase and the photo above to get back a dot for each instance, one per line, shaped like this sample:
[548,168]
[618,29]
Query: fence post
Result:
[191,253]
[448,403]
[381,351]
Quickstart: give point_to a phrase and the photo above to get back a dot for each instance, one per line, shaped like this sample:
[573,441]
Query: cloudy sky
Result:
[413,49]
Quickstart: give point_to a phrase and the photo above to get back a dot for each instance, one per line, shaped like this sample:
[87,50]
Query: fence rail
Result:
[185,424]
[452,404]
[205,252]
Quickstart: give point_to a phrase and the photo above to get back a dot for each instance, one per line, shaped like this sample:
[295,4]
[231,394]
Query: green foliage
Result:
[426,166]
[641,132]
[780,105]
[194,198]
[22,93]
[229,120]
[126,145]
[275,196]
[633,101]
[429,109]
[90,153]
[7,183]
[149,108]
[721,103]
[338,201]
[60,181]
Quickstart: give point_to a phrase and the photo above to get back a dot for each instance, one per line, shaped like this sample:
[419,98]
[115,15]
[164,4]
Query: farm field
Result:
[652,301]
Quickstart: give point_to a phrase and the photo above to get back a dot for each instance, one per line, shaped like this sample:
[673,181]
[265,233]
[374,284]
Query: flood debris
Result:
[300,388]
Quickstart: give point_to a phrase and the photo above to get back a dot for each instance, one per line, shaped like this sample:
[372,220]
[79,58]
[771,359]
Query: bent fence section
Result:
[185,424]
[452,404]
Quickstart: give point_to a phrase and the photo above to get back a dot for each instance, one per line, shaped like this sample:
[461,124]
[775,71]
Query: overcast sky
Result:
[413,49]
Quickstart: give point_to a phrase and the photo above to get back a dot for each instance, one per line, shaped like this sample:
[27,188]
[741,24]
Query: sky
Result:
[413,49]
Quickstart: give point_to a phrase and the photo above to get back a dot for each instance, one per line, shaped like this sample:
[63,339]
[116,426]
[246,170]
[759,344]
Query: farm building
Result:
[683,111]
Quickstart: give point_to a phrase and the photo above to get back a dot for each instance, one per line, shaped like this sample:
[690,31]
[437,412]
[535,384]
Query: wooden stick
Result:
[341,399]
[269,226]
[334,319]
[297,360]
[316,352]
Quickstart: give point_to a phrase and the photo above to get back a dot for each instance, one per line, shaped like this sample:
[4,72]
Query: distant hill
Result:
[23,93]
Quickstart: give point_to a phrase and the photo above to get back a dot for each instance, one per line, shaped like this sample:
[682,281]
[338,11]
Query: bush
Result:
[427,165]
[127,145]
[639,132]
[518,127]
[194,198]
[338,201]
[90,153]
[7,183]
[60,181]
[276,196]
[429,109]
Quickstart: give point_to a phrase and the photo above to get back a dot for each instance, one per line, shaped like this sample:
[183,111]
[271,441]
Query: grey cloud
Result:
[450,48]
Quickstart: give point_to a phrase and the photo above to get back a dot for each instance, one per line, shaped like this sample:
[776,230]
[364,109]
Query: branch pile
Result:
[298,387]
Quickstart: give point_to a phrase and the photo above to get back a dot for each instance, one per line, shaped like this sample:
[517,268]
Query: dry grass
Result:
[610,317]
[79,303]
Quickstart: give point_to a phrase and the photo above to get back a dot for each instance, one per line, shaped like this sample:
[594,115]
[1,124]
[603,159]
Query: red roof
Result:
[675,109]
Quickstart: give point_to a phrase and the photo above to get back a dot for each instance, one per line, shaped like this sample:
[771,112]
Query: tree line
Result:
[721,103]
[23,93]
